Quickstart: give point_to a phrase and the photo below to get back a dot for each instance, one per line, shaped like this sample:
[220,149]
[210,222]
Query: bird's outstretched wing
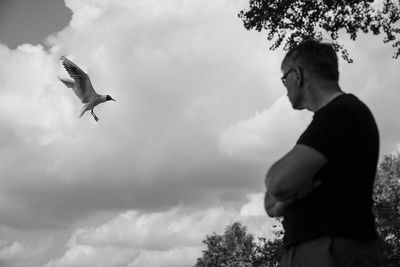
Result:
[83,87]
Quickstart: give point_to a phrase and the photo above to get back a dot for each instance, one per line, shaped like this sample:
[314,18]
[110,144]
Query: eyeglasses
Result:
[285,75]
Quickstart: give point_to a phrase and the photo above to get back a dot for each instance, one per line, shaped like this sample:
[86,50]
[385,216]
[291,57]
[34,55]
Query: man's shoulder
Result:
[345,105]
[349,101]
[356,108]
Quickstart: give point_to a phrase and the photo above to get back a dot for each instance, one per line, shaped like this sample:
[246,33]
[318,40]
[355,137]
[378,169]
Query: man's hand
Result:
[275,208]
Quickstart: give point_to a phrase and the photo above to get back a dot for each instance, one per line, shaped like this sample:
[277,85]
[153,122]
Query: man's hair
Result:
[318,58]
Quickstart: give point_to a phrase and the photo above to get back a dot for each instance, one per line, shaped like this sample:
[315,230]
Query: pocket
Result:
[314,253]
[333,262]
[348,252]
[340,254]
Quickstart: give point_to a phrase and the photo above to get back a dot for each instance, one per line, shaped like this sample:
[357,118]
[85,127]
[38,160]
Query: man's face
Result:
[289,79]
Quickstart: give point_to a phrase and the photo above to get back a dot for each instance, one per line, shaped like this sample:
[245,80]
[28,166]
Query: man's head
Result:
[306,66]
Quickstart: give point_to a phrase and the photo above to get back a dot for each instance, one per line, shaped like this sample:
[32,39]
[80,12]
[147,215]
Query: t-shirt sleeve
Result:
[328,133]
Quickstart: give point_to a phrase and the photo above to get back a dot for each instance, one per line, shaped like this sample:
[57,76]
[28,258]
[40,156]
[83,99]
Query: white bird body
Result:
[82,87]
[94,101]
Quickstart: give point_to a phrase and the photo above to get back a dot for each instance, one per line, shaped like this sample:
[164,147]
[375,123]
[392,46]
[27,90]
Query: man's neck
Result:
[323,94]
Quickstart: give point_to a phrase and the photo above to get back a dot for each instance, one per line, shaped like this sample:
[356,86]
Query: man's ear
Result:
[299,76]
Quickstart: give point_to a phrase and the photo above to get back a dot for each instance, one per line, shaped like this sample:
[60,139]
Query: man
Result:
[323,186]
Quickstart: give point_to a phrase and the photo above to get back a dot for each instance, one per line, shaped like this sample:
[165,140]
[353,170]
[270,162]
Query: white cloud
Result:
[254,207]
[155,231]
[32,105]
[270,132]
[21,253]
[181,256]
[170,238]
[83,255]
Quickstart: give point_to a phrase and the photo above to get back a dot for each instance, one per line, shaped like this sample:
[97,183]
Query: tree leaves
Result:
[387,208]
[289,22]
[237,248]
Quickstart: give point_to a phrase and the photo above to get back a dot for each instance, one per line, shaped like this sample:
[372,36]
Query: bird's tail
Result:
[69,83]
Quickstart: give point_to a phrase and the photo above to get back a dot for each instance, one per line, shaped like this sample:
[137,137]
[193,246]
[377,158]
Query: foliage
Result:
[270,251]
[295,20]
[387,208]
[237,248]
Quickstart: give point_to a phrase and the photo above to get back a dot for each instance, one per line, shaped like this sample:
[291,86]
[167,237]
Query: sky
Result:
[200,115]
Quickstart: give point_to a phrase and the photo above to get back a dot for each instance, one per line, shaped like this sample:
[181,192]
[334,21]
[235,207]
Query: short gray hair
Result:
[318,58]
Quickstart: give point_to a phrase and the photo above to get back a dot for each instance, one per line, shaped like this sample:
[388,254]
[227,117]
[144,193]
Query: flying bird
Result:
[82,87]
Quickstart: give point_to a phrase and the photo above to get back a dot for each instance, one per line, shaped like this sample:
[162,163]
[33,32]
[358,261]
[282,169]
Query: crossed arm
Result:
[291,178]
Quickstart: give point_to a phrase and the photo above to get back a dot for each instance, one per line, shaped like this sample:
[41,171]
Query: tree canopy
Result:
[237,248]
[292,21]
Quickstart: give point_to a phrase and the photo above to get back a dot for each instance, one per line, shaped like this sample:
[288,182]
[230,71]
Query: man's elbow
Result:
[275,211]
[271,212]
[271,206]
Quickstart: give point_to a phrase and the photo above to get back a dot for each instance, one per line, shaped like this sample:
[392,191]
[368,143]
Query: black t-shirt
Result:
[345,132]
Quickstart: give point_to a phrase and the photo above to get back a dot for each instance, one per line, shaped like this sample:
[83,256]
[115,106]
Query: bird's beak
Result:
[113,99]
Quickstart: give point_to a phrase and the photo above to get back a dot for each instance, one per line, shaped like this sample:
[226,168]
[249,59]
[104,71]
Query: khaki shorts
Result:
[333,252]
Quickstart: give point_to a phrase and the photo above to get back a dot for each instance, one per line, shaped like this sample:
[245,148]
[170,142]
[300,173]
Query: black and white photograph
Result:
[204,133]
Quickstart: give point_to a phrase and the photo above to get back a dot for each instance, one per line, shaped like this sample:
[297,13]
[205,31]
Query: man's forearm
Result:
[292,176]
[276,208]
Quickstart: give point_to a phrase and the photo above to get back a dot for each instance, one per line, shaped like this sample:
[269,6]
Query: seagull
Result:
[82,87]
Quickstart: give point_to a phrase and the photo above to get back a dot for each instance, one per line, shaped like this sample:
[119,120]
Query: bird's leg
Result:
[94,116]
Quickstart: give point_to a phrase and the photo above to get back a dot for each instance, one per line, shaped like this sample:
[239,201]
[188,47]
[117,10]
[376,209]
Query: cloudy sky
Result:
[200,115]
